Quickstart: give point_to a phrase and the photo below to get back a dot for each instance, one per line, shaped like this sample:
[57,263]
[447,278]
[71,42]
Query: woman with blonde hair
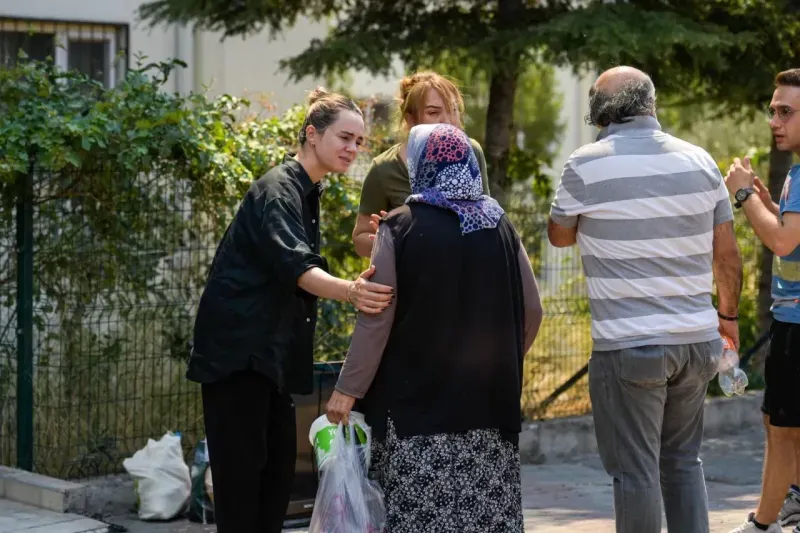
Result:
[425,98]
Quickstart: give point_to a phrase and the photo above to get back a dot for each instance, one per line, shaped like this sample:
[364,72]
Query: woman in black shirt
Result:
[254,331]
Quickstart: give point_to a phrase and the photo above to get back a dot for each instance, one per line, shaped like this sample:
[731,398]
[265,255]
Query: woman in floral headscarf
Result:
[439,373]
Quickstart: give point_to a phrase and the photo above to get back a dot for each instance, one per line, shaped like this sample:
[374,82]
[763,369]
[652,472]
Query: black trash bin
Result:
[309,407]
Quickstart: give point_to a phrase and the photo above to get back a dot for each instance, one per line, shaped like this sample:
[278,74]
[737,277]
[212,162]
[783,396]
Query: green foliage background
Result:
[728,133]
[132,188]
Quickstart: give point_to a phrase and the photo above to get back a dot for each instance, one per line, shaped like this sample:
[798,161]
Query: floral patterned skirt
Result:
[449,483]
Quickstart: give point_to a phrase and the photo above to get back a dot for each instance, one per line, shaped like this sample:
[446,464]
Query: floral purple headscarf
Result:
[444,172]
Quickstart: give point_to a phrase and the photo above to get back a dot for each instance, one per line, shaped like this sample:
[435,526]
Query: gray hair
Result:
[635,98]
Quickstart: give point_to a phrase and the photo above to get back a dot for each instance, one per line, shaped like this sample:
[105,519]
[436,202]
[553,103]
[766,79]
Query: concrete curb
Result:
[564,438]
[110,495]
[42,491]
[102,496]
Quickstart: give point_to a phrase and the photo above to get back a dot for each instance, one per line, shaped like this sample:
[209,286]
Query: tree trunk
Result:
[500,113]
[499,129]
[779,164]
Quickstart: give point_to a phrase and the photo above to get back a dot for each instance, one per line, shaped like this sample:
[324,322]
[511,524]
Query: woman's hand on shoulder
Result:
[369,297]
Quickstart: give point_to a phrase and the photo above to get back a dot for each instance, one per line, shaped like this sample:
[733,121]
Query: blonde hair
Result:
[412,95]
[323,110]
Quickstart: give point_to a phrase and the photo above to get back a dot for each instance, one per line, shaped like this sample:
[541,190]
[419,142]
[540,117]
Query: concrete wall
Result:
[565,438]
[250,66]
[564,262]
[575,107]
[157,44]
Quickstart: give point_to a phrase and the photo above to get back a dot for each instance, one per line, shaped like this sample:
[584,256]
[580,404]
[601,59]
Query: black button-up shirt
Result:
[252,315]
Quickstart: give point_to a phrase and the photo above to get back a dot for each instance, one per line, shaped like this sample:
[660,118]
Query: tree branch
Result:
[237,17]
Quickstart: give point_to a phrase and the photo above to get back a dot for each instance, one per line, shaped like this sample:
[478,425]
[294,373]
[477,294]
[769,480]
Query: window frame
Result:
[115,36]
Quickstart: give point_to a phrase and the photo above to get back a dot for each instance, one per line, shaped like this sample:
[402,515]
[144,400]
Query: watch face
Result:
[742,194]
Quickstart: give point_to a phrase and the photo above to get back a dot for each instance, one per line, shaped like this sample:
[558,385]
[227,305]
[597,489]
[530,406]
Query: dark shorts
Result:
[782,375]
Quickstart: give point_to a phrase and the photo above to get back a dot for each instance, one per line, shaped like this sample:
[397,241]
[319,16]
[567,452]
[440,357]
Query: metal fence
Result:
[100,293]
[101,273]
[101,280]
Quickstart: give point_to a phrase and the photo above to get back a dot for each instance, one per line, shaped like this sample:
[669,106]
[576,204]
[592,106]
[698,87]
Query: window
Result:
[97,50]
[35,46]
[89,57]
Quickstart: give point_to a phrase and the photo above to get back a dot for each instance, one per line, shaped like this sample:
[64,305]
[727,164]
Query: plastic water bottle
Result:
[732,379]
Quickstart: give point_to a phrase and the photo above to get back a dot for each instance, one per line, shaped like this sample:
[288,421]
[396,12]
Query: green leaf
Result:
[73,158]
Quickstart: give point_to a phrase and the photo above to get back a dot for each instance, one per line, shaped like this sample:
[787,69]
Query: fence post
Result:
[25,321]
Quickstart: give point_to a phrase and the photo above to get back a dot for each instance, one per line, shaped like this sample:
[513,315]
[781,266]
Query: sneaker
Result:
[750,527]
[790,513]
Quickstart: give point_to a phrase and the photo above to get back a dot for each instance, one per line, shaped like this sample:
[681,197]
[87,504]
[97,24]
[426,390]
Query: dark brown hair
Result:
[323,110]
[789,78]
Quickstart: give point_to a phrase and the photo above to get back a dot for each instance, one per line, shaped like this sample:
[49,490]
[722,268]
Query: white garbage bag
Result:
[162,476]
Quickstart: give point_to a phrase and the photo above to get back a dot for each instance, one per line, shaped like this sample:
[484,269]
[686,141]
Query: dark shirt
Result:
[453,358]
[252,315]
[372,331]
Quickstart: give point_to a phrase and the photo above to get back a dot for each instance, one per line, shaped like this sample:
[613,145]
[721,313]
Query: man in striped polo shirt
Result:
[653,221]
[778,227]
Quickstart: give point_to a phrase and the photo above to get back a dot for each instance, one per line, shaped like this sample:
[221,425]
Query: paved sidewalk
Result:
[20,518]
[576,497]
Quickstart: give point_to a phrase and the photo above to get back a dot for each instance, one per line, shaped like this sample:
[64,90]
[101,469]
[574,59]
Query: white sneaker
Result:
[790,513]
[750,527]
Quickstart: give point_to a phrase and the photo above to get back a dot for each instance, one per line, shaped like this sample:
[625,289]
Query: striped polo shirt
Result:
[645,204]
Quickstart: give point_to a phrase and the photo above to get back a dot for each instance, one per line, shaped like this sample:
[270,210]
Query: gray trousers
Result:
[647,404]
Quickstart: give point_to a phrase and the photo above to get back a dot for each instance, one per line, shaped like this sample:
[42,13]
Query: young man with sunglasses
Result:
[778,227]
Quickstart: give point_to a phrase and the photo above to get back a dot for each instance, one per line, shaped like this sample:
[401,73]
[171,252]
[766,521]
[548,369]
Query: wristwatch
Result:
[742,195]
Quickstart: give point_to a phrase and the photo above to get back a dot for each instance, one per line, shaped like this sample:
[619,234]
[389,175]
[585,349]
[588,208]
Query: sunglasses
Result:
[783,112]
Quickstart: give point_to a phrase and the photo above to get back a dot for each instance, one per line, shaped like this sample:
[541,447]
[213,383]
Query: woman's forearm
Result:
[363,243]
[362,233]
[371,333]
[319,283]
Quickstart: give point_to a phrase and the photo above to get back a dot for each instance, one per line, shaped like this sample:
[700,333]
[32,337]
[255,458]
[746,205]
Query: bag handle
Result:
[352,428]
[349,447]
[351,433]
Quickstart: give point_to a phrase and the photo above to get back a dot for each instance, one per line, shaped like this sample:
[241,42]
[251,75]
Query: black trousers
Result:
[252,443]
[782,375]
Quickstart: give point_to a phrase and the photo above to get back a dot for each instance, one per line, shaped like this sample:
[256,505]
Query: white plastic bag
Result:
[162,476]
[347,501]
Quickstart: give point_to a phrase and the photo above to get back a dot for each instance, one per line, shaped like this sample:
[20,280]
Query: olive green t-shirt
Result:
[387,185]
